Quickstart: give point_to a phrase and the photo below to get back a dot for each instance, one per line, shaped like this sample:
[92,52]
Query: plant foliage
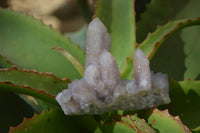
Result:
[42,72]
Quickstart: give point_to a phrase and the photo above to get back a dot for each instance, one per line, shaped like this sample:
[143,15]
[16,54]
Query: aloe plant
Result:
[34,69]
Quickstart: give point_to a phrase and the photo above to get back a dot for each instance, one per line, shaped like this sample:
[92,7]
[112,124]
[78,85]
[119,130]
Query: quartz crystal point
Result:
[98,39]
[142,73]
[102,89]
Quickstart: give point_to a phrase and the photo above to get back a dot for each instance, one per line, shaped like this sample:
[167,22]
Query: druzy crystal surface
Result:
[102,89]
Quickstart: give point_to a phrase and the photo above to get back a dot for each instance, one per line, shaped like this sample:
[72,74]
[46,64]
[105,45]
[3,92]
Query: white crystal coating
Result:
[98,39]
[109,70]
[102,88]
[142,73]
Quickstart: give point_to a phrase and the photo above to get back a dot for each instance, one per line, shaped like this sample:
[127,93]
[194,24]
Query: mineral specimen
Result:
[102,88]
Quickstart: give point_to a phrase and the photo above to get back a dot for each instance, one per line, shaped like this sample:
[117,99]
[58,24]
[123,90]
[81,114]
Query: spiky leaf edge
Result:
[153,122]
[25,89]
[154,46]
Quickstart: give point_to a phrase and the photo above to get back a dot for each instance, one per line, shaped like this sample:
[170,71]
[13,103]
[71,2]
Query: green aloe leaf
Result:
[150,45]
[117,127]
[163,122]
[4,63]
[184,101]
[55,121]
[24,89]
[27,44]
[118,17]
[196,130]
[41,85]
[41,81]
[79,67]
[38,105]
[191,48]
[159,12]
[139,124]
[181,50]
[127,124]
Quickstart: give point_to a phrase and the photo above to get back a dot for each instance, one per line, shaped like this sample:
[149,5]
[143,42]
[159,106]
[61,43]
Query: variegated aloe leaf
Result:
[55,121]
[127,124]
[118,16]
[27,43]
[163,122]
[41,85]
